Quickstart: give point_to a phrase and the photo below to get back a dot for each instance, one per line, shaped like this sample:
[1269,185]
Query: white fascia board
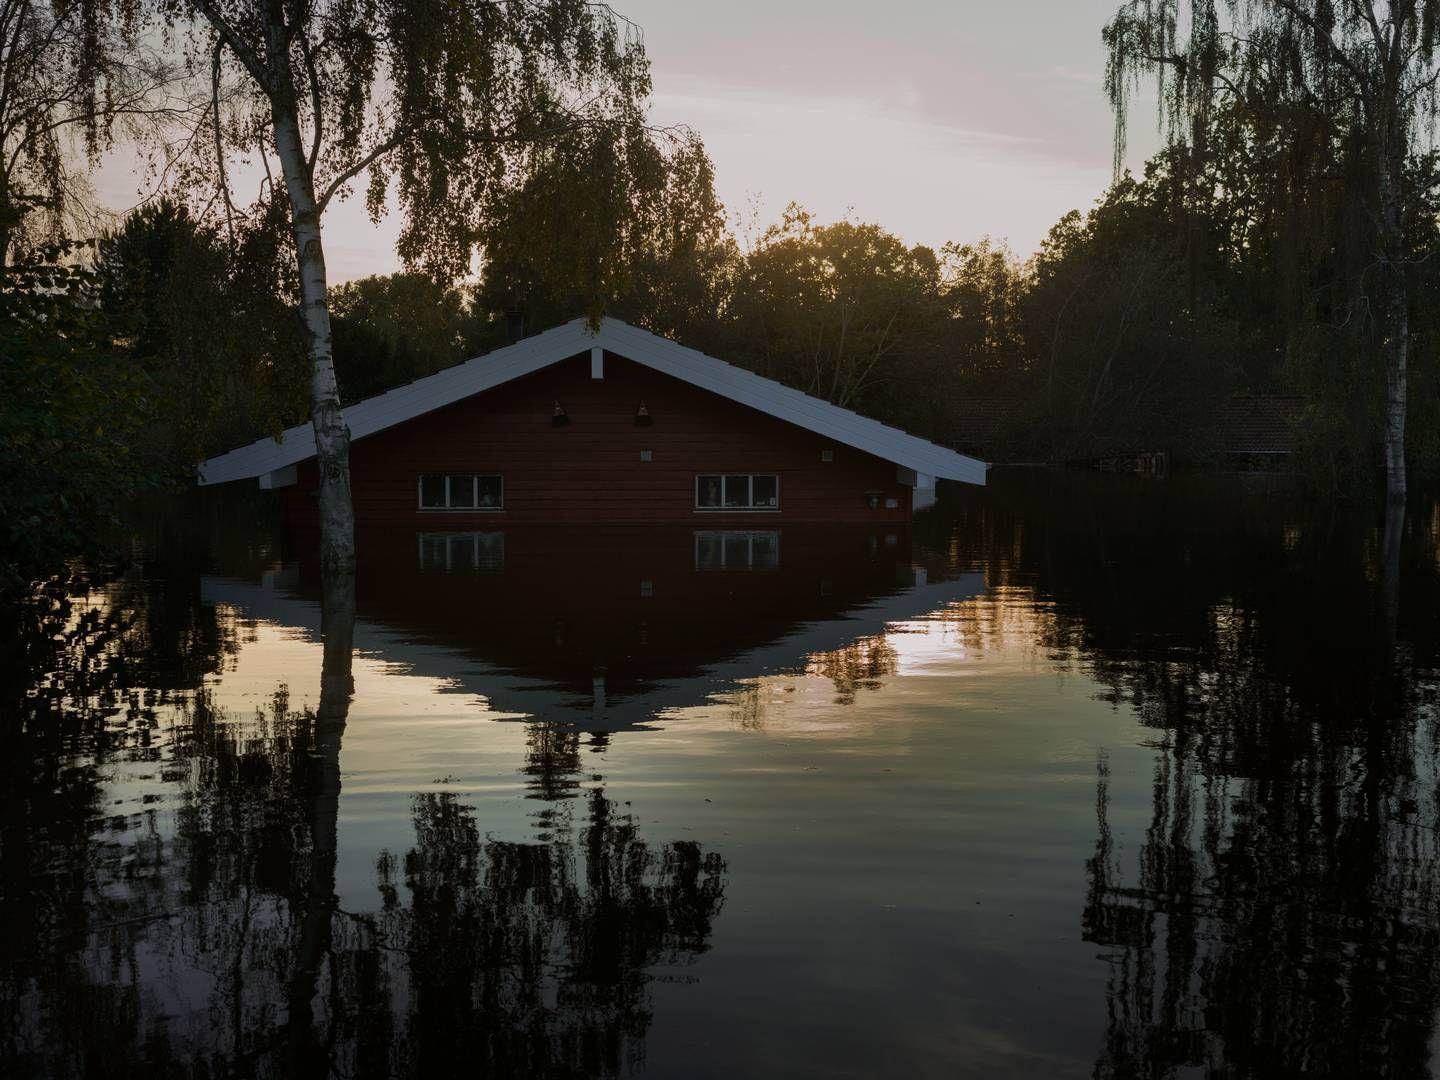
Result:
[793,406]
[280,478]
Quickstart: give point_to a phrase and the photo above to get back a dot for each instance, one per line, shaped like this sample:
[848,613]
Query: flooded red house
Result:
[613,424]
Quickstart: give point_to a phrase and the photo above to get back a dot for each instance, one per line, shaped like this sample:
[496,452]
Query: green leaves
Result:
[610,219]
[69,410]
[828,308]
[390,330]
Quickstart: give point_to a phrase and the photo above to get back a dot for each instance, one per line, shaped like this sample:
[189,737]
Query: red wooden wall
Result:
[591,470]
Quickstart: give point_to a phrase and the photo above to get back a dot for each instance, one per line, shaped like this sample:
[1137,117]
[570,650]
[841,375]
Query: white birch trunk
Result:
[1397,334]
[332,435]
[1398,344]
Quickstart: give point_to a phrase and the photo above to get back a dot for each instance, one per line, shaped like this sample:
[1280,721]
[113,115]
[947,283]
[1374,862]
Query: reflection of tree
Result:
[552,760]
[863,664]
[81,880]
[1283,923]
[220,947]
[518,962]
[1280,917]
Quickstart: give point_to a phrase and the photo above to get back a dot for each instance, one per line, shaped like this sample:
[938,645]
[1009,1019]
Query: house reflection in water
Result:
[482,551]
[607,627]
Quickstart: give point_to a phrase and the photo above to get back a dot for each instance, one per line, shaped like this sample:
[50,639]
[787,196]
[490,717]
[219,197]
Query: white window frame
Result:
[749,509]
[720,536]
[474,494]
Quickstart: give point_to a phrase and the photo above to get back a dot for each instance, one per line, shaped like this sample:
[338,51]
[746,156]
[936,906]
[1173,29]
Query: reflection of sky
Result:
[940,119]
[906,868]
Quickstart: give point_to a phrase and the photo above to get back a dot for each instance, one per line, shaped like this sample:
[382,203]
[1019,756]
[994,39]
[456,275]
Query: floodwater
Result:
[1082,775]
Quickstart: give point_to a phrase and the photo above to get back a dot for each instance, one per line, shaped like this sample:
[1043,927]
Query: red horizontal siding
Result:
[590,470]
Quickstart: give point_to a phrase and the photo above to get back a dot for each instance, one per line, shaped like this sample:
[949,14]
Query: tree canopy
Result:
[1345,90]
[72,76]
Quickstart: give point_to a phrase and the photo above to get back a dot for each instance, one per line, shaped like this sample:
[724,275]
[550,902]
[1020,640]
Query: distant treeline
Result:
[1126,331]
[170,338]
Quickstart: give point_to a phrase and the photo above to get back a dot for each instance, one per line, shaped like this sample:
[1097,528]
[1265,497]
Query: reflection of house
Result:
[462,551]
[734,549]
[619,425]
[612,626]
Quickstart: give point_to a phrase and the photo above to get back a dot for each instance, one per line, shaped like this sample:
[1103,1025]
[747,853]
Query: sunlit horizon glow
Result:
[940,122]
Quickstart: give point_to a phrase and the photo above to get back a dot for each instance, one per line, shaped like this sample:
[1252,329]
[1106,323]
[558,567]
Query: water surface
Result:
[1080,776]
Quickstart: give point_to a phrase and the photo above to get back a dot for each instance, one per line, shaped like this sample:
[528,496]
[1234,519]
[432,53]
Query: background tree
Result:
[609,220]
[831,308]
[70,413]
[393,328]
[1362,74]
[208,326]
[983,285]
[72,76]
[1127,353]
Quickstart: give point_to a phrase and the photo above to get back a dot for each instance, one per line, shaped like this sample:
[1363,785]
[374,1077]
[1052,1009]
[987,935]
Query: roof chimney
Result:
[514,326]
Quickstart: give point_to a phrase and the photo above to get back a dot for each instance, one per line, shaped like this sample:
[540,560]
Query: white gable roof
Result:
[446,387]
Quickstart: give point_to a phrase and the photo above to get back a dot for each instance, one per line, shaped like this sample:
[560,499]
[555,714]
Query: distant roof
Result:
[1258,425]
[502,365]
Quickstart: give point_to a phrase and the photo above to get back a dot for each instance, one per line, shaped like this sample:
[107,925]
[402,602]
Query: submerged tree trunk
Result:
[332,435]
[1397,343]
[1392,542]
[6,225]
[319,777]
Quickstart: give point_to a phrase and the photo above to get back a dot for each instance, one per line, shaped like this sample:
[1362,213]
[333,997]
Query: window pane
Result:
[765,492]
[491,551]
[765,551]
[462,551]
[737,551]
[432,551]
[737,491]
[492,492]
[707,491]
[462,492]
[707,551]
[432,492]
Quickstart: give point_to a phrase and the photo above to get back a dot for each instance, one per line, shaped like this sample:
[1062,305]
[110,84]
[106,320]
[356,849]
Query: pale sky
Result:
[938,120]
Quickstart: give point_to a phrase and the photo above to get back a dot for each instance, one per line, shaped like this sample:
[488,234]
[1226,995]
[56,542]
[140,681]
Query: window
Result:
[741,491]
[461,491]
[737,551]
[478,551]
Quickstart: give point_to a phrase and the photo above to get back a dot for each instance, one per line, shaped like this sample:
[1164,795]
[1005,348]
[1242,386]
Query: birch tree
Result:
[72,78]
[436,104]
[1364,72]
